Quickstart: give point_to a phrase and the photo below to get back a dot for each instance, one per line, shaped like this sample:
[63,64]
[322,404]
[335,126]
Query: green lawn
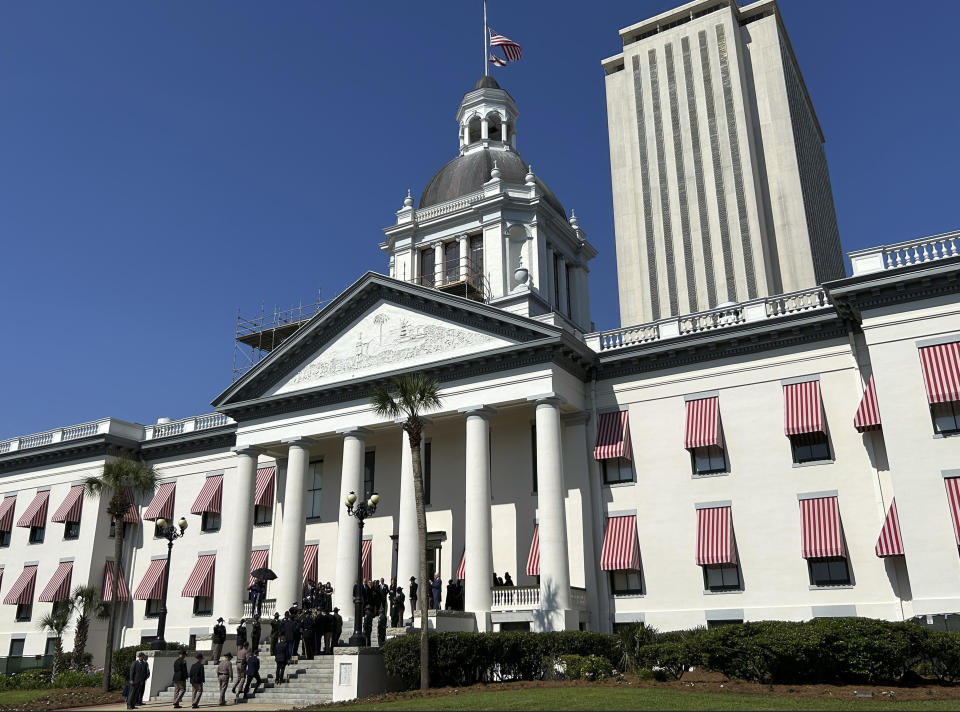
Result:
[643,698]
[8,698]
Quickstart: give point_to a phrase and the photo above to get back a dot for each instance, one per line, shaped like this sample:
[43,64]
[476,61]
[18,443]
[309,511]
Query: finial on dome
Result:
[408,201]
[495,173]
[574,221]
[530,179]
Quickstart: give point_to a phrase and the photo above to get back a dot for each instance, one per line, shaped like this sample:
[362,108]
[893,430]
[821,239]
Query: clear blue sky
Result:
[163,164]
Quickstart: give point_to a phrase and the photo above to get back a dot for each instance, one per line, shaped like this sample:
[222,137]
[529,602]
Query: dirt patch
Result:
[72,697]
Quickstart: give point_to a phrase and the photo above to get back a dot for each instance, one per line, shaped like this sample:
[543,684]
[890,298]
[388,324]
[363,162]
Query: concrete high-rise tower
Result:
[720,185]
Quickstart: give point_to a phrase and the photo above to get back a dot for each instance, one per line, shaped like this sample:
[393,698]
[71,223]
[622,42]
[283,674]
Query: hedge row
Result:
[40,680]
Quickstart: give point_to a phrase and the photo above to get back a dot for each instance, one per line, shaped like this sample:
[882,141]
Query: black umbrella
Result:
[263,573]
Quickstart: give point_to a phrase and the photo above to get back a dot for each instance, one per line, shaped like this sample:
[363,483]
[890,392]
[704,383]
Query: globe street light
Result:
[168,532]
[361,511]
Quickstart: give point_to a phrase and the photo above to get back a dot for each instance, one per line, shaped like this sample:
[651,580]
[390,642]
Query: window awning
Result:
[151,585]
[200,582]
[59,587]
[941,372]
[533,558]
[132,516]
[310,554]
[822,530]
[613,436]
[868,414]
[366,559]
[621,550]
[22,590]
[715,539]
[210,497]
[264,493]
[703,423]
[6,512]
[462,568]
[889,542]
[36,514]
[953,497]
[162,503]
[258,560]
[72,506]
[123,592]
[802,408]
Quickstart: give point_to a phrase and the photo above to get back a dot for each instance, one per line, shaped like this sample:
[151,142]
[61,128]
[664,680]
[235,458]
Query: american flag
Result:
[511,49]
[496,61]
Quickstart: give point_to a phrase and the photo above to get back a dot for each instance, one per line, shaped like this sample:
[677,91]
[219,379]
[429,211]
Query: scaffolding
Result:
[257,336]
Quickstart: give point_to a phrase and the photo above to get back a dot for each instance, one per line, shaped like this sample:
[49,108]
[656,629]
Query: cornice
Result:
[96,446]
[199,441]
[902,285]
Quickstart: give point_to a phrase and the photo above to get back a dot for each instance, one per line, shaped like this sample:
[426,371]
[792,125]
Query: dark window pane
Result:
[37,534]
[626,582]
[476,255]
[427,470]
[810,447]
[4,538]
[722,577]
[451,261]
[427,267]
[832,571]
[708,460]
[369,461]
[210,522]
[946,417]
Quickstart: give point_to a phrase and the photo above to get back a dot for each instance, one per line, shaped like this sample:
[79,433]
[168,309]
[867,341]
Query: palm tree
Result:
[119,477]
[86,601]
[408,396]
[56,622]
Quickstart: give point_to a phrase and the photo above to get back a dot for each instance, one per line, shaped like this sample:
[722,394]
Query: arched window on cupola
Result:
[473,129]
[494,127]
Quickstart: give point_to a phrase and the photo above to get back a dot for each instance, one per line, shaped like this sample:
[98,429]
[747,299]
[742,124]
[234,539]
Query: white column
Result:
[348,530]
[477,521]
[289,563]
[438,263]
[234,568]
[554,561]
[464,256]
[408,553]
[503,129]
[484,128]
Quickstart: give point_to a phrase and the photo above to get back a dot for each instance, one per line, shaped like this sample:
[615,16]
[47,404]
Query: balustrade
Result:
[907,253]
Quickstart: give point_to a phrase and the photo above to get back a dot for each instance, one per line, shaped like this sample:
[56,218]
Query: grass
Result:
[9,698]
[627,698]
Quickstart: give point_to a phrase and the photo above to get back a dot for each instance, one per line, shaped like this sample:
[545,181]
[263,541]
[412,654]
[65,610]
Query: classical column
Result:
[477,521]
[234,566]
[464,257]
[408,554]
[484,129]
[503,130]
[438,263]
[554,561]
[348,539]
[289,563]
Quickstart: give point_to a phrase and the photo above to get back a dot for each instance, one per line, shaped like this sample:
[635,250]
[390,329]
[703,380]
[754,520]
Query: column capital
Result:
[251,450]
[297,442]
[482,411]
[427,422]
[549,398]
[357,432]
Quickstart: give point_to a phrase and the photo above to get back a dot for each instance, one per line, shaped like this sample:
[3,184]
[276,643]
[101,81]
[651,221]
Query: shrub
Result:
[629,642]
[671,657]
[78,678]
[123,657]
[942,654]
[595,668]
[572,666]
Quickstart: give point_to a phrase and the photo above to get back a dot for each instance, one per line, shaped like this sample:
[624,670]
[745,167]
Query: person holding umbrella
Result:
[258,589]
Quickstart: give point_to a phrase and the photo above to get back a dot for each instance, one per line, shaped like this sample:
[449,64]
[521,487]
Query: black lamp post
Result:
[361,511]
[168,532]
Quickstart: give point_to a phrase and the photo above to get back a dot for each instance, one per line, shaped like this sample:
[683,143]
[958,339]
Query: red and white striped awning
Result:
[953,497]
[310,554]
[621,550]
[802,408]
[162,503]
[264,493]
[366,559]
[123,592]
[822,530]
[69,510]
[462,568]
[613,436]
[58,589]
[22,590]
[889,542]
[533,558]
[132,516]
[941,372]
[151,585]
[36,514]
[868,414]
[210,497]
[703,423]
[6,512]
[715,540]
[200,582]
[258,560]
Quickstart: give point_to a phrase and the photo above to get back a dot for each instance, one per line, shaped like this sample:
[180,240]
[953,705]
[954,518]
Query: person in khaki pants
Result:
[224,675]
[196,680]
[180,675]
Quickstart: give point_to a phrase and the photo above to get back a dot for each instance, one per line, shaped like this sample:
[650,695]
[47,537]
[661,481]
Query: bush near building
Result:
[123,657]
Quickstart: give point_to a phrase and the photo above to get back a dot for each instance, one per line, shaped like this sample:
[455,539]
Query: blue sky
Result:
[164,164]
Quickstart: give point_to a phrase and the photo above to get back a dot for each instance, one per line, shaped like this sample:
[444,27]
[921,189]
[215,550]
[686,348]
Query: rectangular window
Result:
[717,624]
[71,530]
[153,608]
[829,571]
[16,647]
[202,606]
[4,539]
[369,486]
[616,469]
[113,529]
[476,255]
[24,612]
[626,582]
[264,515]
[427,467]
[50,647]
[810,447]
[37,534]
[427,267]
[533,450]
[708,460]
[721,577]
[210,522]
[314,490]
[451,261]
[946,417]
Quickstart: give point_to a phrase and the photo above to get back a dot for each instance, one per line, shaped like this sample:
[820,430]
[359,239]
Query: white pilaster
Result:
[408,553]
[562,277]
[348,537]
[289,584]
[477,520]
[234,566]
[464,256]
[551,299]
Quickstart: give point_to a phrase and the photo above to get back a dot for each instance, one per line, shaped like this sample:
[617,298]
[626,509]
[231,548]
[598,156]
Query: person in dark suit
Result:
[436,586]
[219,638]
[180,676]
[289,630]
[281,657]
[241,633]
[451,594]
[398,605]
[253,672]
[337,626]
[413,594]
[196,680]
[139,672]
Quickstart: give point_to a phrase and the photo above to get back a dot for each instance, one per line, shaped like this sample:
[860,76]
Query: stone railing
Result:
[186,425]
[525,598]
[266,611]
[904,254]
[435,211]
[59,435]
[755,310]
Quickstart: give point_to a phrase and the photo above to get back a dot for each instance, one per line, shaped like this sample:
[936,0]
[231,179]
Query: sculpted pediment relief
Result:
[386,338]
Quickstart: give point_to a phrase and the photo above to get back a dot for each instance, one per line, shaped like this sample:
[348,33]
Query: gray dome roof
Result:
[467,173]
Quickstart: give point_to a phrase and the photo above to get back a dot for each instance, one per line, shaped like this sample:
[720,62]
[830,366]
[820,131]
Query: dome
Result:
[467,173]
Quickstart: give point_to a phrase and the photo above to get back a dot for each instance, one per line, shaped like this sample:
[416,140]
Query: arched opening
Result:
[473,129]
[494,127]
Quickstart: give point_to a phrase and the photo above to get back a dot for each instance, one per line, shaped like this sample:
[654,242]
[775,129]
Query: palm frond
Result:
[409,395]
[383,403]
[85,599]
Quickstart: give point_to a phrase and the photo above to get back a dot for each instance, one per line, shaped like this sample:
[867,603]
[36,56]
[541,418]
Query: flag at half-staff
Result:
[511,50]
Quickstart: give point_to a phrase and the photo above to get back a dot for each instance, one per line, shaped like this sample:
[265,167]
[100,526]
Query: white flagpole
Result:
[486,54]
